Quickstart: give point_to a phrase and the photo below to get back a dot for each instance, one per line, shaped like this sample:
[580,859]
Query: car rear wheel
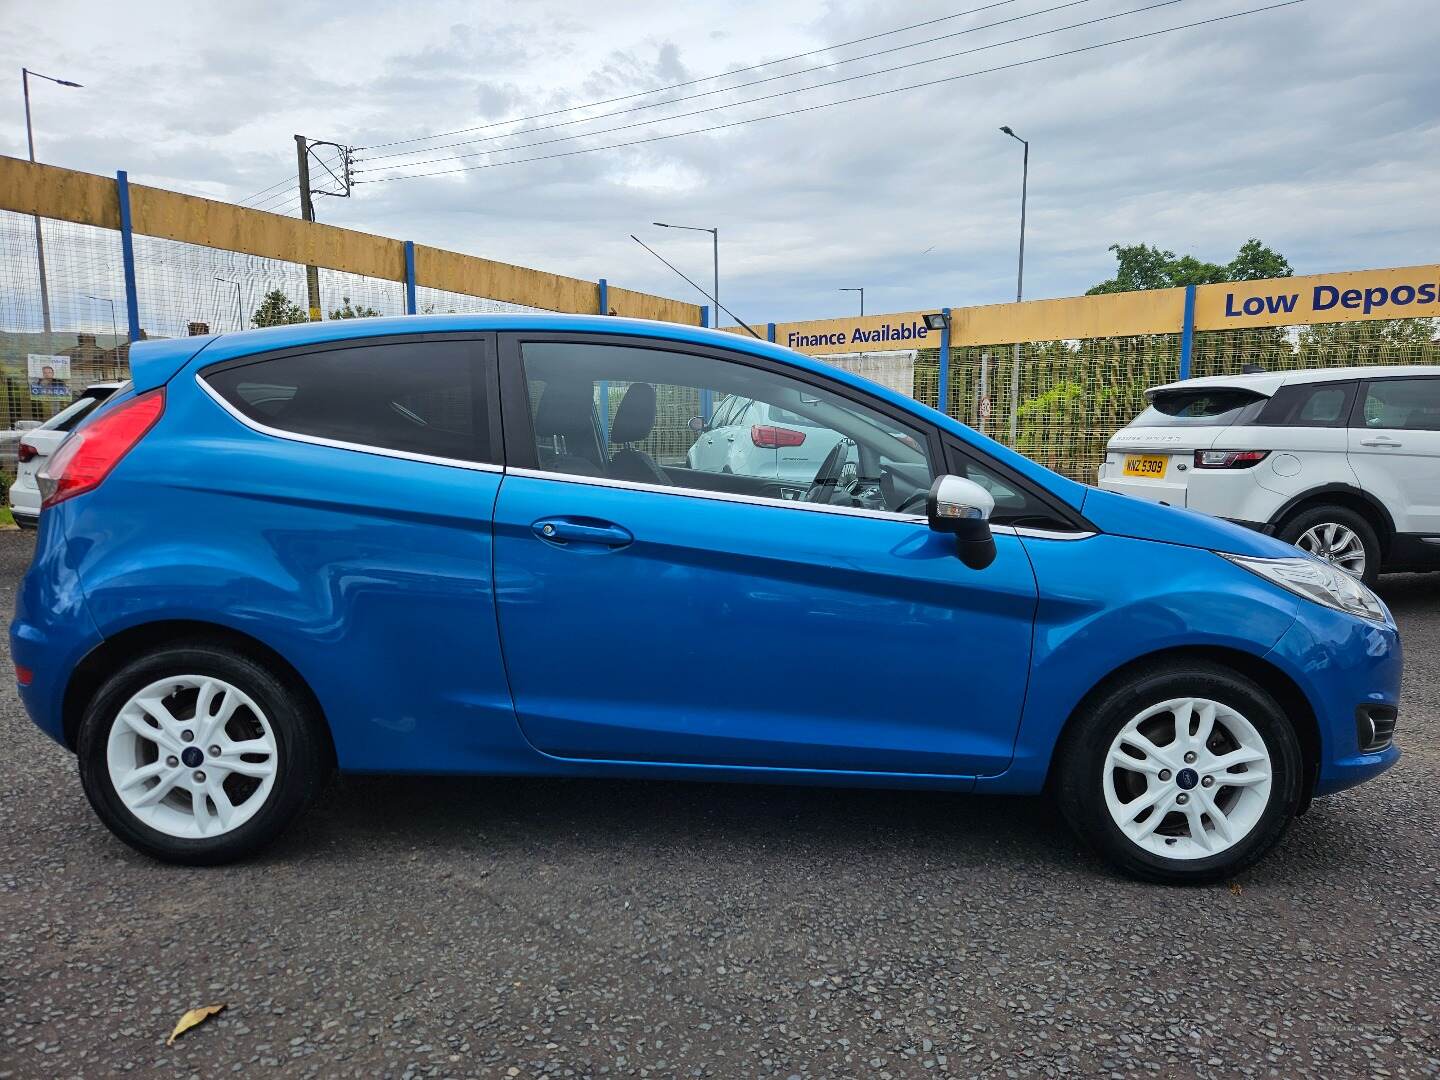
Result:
[199,754]
[1183,773]
[1339,536]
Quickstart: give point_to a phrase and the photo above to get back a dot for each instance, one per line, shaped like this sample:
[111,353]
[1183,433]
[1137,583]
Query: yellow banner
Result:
[1409,292]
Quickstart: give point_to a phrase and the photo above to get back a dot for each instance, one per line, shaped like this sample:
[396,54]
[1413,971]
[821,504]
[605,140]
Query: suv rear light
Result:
[772,438]
[1229,459]
[84,459]
[26,452]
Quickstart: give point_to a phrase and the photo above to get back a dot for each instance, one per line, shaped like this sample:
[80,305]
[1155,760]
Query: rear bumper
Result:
[52,630]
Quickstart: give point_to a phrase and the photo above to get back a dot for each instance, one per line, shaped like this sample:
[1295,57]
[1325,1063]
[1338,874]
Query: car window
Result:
[785,438]
[1208,406]
[1324,404]
[1403,404]
[1014,504]
[420,397]
[72,414]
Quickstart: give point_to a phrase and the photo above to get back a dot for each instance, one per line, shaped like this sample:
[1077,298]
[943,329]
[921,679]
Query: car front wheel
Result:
[1184,773]
[199,754]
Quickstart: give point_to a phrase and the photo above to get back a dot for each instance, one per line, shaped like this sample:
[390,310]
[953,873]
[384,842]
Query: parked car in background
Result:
[751,438]
[289,549]
[1342,462]
[37,444]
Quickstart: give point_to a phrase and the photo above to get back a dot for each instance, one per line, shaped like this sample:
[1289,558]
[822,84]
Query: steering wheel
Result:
[918,497]
[827,477]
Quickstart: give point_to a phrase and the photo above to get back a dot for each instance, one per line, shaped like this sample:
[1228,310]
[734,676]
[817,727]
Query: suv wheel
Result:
[198,755]
[1339,536]
[1184,773]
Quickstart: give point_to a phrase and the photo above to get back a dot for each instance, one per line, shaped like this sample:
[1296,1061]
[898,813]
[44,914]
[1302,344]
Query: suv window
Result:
[1322,404]
[420,397]
[1207,406]
[834,451]
[1401,404]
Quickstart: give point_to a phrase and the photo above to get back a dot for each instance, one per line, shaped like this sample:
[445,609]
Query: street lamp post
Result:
[239,307]
[714,236]
[861,291]
[1019,283]
[25,74]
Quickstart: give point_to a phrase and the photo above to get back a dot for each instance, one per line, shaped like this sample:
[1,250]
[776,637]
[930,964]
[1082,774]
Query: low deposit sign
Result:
[1406,293]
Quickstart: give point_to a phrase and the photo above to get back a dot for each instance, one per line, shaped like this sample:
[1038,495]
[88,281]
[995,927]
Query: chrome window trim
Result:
[1048,534]
[360,448]
[716,496]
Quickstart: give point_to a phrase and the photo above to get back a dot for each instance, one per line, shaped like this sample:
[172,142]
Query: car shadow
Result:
[627,818]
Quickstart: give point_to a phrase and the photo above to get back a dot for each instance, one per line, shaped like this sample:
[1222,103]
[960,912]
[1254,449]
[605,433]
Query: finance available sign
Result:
[872,333]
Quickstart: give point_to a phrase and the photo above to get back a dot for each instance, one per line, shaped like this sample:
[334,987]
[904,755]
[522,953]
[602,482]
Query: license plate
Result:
[1146,465]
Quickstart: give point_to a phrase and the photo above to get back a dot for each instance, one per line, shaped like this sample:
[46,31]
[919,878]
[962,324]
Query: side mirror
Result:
[696,424]
[962,508]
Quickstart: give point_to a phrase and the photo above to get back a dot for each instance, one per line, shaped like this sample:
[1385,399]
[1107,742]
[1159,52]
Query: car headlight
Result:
[1317,580]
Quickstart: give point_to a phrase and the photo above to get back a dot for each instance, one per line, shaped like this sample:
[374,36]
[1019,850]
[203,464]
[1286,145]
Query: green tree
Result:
[346,311]
[277,309]
[1141,266]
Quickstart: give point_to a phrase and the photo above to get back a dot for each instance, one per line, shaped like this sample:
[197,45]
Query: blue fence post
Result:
[707,397]
[770,332]
[409,277]
[604,306]
[704,314]
[127,255]
[1187,333]
[943,394]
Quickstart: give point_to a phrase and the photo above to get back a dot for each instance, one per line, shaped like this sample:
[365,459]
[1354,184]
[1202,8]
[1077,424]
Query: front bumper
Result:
[1342,663]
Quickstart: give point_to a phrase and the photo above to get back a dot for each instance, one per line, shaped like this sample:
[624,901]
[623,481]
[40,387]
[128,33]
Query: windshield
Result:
[1208,406]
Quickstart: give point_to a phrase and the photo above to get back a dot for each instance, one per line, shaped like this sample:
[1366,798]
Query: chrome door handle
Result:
[1382,441]
[569,531]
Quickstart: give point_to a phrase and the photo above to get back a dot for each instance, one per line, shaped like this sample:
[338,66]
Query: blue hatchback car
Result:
[475,544]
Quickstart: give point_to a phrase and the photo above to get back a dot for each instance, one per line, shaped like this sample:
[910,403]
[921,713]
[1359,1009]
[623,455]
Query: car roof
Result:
[1267,382]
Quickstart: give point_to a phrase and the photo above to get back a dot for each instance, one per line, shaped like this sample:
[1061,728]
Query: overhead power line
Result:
[272,187]
[690,82]
[786,93]
[760,82]
[846,101]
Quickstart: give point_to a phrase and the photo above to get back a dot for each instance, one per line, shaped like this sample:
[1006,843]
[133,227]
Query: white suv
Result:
[1344,462]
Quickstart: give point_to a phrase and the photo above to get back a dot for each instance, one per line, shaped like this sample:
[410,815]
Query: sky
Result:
[1312,127]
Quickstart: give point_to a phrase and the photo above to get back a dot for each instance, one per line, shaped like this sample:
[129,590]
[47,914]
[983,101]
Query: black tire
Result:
[1080,768]
[1306,520]
[303,753]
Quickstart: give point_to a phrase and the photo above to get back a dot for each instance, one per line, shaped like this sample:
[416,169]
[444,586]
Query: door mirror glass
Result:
[697,424]
[962,508]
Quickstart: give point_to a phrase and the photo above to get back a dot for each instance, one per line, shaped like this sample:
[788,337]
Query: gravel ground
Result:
[517,928]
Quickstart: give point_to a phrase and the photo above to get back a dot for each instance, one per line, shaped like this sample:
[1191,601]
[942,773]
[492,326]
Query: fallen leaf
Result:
[191,1018]
[1235,889]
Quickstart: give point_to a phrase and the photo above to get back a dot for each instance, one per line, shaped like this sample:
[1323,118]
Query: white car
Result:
[39,443]
[1343,462]
[751,438]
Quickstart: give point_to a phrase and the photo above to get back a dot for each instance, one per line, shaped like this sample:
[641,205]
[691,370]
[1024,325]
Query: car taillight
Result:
[1229,459]
[26,452]
[772,438]
[87,456]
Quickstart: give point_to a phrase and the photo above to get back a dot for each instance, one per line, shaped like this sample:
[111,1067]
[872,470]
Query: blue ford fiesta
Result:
[480,544]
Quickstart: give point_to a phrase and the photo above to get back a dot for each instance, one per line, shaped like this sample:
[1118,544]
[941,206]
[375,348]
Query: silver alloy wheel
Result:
[1187,778]
[1337,544]
[192,756]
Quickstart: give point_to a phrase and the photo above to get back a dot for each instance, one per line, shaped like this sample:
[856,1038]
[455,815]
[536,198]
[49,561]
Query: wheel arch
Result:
[120,648]
[1263,673]
[1352,498]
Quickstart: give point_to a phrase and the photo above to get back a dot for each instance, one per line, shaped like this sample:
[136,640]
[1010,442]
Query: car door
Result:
[653,613]
[1395,449]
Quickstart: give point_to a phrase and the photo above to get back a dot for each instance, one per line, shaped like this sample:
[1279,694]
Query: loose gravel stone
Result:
[526,928]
